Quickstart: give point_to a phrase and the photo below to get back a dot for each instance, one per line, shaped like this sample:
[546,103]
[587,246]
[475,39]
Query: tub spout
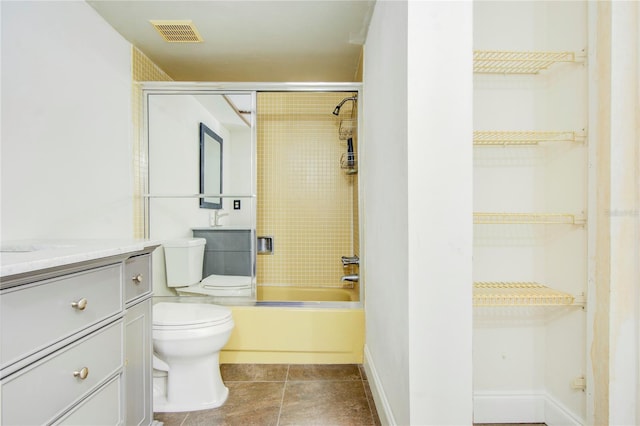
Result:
[352,278]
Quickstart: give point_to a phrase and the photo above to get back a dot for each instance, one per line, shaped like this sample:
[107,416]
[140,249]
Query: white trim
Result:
[195,86]
[379,397]
[522,407]
[511,407]
[556,414]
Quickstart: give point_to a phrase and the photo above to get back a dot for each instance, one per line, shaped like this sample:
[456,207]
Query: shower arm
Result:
[336,111]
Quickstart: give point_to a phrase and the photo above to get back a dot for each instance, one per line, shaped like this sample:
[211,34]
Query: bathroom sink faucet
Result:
[217,214]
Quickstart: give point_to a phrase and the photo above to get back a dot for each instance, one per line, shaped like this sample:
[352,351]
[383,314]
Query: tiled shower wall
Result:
[143,69]
[305,200]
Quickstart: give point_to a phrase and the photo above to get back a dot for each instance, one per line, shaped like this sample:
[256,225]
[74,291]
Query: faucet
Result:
[352,278]
[216,217]
[353,260]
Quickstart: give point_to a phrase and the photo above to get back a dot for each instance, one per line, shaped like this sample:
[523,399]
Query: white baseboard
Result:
[382,403]
[512,407]
[556,414]
[488,407]
[521,407]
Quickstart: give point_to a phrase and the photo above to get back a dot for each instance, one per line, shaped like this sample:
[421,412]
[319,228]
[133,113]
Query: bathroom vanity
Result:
[75,333]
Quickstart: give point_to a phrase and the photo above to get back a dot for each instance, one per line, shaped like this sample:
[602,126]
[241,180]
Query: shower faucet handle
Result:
[350,260]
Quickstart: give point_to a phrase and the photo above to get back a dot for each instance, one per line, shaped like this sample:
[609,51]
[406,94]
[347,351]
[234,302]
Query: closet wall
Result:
[529,360]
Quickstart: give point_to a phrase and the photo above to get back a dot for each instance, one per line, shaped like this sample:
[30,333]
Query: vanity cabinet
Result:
[76,343]
[138,342]
[227,251]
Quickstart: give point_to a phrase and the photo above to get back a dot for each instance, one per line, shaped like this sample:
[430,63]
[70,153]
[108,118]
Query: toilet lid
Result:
[189,314]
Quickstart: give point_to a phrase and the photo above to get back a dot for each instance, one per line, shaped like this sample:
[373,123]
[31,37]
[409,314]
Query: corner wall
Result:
[417,190]
[383,151]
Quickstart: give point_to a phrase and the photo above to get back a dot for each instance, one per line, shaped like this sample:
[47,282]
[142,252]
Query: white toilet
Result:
[185,273]
[187,339]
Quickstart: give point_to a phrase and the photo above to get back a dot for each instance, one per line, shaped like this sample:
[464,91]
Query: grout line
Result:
[284,389]
[184,420]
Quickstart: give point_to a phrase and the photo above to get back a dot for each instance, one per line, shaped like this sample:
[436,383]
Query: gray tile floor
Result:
[287,394]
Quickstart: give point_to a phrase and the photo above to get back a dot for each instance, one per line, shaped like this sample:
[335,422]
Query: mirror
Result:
[210,167]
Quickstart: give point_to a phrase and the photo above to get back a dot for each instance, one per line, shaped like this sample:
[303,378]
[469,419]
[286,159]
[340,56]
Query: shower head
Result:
[336,111]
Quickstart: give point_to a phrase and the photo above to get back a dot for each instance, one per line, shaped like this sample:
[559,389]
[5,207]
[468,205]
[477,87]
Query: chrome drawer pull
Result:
[82,374]
[80,304]
[137,279]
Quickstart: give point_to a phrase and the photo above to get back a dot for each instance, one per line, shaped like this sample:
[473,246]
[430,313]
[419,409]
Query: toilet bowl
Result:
[187,339]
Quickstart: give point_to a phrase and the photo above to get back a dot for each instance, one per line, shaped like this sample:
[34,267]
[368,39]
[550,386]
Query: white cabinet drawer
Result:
[41,392]
[38,315]
[137,277]
[101,408]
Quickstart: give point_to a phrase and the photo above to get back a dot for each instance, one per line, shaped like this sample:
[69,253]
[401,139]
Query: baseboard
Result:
[521,407]
[556,414]
[379,397]
[512,407]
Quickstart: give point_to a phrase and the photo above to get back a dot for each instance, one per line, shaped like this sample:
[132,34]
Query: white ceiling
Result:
[264,40]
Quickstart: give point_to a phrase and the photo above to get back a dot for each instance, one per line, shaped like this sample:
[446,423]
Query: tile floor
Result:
[287,394]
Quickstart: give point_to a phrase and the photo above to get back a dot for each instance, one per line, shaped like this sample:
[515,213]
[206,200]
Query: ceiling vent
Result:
[177,31]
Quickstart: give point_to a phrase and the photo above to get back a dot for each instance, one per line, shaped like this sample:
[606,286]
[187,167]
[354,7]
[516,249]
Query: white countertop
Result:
[22,256]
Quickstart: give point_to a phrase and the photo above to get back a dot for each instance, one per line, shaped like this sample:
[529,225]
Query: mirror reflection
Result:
[210,167]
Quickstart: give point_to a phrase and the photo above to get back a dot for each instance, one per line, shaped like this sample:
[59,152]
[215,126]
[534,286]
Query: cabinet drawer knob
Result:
[137,279]
[80,304]
[82,374]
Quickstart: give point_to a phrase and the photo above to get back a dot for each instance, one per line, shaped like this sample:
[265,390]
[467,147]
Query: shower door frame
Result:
[202,88]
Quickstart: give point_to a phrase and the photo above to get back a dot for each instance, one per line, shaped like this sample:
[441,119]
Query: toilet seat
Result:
[176,316]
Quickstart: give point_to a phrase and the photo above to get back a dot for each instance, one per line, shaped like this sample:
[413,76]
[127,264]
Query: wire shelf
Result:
[512,62]
[495,137]
[345,131]
[349,162]
[490,293]
[526,218]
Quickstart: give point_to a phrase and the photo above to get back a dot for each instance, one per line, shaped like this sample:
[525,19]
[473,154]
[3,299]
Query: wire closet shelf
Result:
[495,293]
[525,137]
[518,62]
[527,218]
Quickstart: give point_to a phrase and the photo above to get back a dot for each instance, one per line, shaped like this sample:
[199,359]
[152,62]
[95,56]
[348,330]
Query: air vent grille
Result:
[177,31]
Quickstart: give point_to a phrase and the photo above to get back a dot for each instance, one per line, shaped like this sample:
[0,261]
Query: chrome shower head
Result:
[336,111]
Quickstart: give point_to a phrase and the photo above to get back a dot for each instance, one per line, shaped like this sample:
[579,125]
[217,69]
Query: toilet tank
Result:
[183,259]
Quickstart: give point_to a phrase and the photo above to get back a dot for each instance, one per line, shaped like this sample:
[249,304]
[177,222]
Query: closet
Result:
[530,199]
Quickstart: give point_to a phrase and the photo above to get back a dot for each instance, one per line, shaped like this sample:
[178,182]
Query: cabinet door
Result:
[138,369]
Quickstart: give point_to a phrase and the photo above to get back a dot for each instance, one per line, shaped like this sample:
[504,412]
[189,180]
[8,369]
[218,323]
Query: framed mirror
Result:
[210,167]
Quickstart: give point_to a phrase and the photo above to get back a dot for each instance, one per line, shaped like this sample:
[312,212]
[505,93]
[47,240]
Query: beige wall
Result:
[305,199]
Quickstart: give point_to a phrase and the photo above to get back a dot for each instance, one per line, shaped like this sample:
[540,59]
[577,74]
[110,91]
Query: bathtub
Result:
[280,328]
[306,294]
[294,325]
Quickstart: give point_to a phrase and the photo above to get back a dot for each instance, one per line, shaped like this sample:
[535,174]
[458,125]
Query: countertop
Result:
[24,256]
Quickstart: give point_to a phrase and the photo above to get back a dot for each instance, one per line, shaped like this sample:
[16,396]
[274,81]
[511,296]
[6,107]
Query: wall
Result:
[439,211]
[614,299]
[417,211]
[66,124]
[305,200]
[385,211]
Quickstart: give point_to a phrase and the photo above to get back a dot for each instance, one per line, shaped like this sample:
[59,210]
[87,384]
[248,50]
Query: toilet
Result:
[187,339]
[184,259]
